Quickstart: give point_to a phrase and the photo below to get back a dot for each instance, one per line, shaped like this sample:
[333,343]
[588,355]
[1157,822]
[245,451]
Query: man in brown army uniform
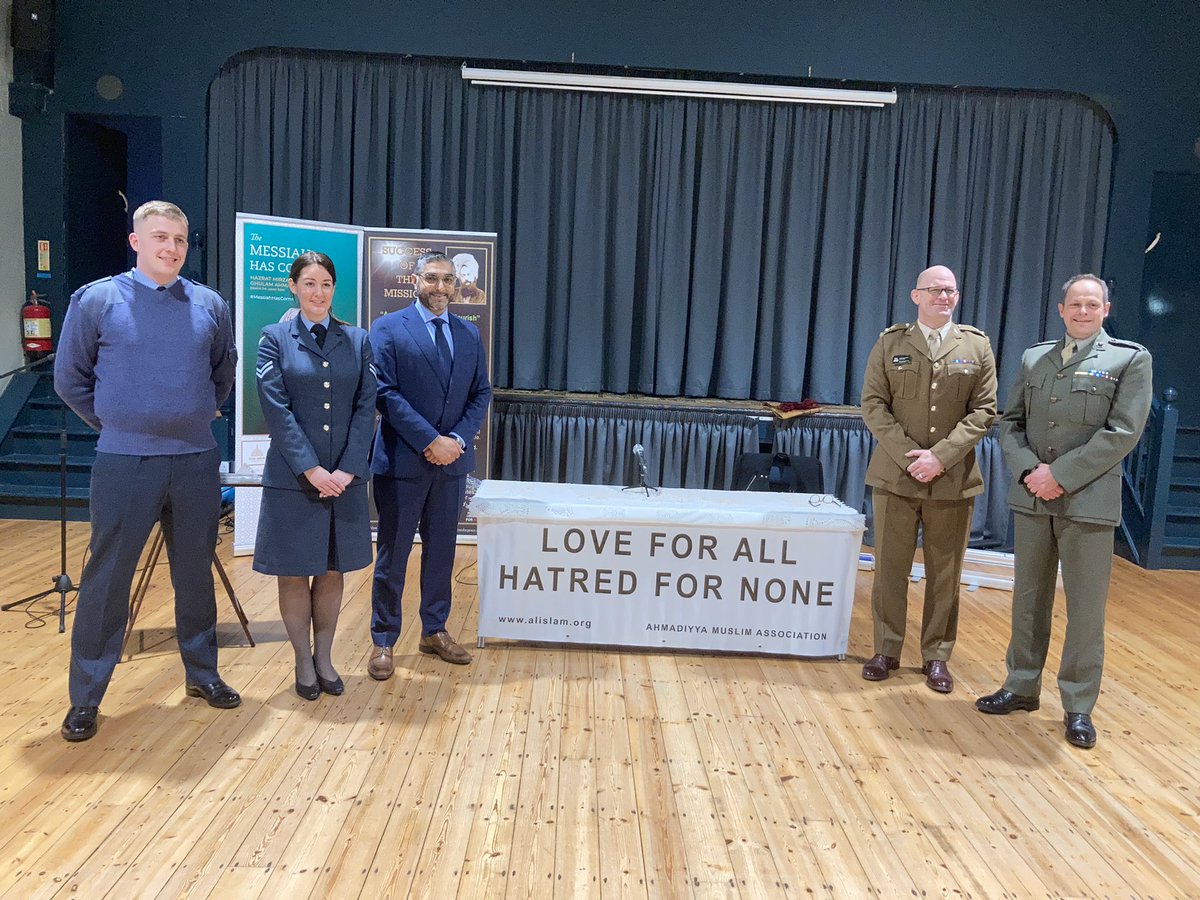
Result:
[929,395]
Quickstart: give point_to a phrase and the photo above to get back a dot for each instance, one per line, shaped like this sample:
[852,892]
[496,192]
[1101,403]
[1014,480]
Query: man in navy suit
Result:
[433,395]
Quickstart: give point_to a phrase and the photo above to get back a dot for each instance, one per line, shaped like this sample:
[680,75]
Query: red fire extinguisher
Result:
[35,326]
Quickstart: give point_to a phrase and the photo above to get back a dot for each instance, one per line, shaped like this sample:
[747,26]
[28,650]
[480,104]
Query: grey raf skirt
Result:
[303,535]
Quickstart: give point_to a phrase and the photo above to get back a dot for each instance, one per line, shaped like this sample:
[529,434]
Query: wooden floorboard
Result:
[575,772]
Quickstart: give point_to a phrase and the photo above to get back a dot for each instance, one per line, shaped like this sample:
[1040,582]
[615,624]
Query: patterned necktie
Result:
[443,347]
[935,341]
[318,333]
[1068,351]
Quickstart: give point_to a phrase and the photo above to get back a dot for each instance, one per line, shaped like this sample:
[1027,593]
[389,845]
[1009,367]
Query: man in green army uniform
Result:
[929,395]
[1077,409]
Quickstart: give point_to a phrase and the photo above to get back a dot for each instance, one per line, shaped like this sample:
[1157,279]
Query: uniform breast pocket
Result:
[964,377]
[1033,386]
[1091,399]
[903,381]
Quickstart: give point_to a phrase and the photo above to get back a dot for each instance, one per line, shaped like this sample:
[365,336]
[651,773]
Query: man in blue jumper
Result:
[146,358]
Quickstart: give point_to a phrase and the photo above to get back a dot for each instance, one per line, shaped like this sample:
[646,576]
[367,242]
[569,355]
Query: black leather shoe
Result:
[80,723]
[1003,702]
[217,694]
[878,667]
[1080,731]
[335,687]
[308,691]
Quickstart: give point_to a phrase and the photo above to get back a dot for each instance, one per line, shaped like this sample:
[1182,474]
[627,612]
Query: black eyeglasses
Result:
[938,291]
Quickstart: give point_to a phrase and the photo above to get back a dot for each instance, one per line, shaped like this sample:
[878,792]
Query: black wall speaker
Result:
[33,25]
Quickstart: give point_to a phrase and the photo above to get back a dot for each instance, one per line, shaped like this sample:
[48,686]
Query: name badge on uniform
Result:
[902,359]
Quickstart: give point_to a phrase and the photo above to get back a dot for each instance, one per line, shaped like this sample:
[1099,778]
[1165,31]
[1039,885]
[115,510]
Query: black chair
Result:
[778,472]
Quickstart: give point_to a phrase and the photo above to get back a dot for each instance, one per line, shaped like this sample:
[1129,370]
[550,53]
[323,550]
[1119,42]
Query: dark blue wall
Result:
[1140,61]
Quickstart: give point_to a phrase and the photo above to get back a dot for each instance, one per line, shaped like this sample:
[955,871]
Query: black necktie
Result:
[443,347]
[318,333]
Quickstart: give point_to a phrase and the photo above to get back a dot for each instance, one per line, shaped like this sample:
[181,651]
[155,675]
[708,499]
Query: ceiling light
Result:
[675,87]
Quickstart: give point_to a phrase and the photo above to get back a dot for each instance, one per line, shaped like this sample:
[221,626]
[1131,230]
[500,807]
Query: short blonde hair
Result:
[159,208]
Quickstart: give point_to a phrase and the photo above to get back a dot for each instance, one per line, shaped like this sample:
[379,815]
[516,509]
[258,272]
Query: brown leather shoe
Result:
[444,646]
[878,667]
[937,676]
[380,665]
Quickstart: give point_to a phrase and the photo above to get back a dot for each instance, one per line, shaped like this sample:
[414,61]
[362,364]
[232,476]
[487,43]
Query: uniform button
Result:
[1051,424]
[933,386]
[933,409]
[1060,375]
[936,366]
[326,427]
[327,384]
[325,364]
[933,428]
[327,406]
[1053,399]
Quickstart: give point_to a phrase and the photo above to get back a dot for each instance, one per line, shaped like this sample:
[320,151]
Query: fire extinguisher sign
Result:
[43,256]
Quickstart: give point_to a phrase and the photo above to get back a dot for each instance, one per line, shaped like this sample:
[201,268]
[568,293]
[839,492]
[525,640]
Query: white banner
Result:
[581,572]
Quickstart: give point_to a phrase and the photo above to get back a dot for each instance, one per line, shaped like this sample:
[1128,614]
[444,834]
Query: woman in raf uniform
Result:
[317,391]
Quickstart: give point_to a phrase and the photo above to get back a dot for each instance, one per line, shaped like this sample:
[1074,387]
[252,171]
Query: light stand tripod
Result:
[62,584]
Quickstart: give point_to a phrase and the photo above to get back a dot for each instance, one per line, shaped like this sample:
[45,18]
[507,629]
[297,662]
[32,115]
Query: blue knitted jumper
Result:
[146,367]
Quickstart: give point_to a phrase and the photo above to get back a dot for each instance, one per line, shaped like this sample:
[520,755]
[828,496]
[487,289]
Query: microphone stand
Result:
[61,583]
[642,485]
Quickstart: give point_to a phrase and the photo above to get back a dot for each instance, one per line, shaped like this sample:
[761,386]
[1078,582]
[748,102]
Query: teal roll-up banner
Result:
[266,247]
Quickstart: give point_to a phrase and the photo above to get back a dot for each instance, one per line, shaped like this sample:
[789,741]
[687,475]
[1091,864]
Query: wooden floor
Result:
[543,771]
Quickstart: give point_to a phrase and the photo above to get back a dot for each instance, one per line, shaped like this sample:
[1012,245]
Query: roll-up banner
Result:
[265,247]
[391,256]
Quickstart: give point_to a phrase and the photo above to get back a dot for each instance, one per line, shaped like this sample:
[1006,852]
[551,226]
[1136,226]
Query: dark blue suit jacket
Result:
[414,404]
[319,403]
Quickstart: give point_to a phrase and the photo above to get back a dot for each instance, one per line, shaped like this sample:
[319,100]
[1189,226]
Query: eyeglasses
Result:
[938,291]
[445,280]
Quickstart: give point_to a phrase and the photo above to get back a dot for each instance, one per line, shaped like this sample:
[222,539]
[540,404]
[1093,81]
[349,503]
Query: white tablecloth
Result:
[721,570]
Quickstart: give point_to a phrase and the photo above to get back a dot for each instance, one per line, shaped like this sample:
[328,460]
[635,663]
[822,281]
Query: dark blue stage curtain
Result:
[679,247]
[592,443]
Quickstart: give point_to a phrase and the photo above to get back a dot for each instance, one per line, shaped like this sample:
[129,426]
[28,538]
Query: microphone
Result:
[640,452]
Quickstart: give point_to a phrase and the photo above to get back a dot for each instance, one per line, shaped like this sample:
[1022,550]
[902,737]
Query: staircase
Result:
[30,418]
[1160,525]
[1181,534]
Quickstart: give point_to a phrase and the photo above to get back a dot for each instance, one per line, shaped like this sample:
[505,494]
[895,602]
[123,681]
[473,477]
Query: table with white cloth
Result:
[680,568]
